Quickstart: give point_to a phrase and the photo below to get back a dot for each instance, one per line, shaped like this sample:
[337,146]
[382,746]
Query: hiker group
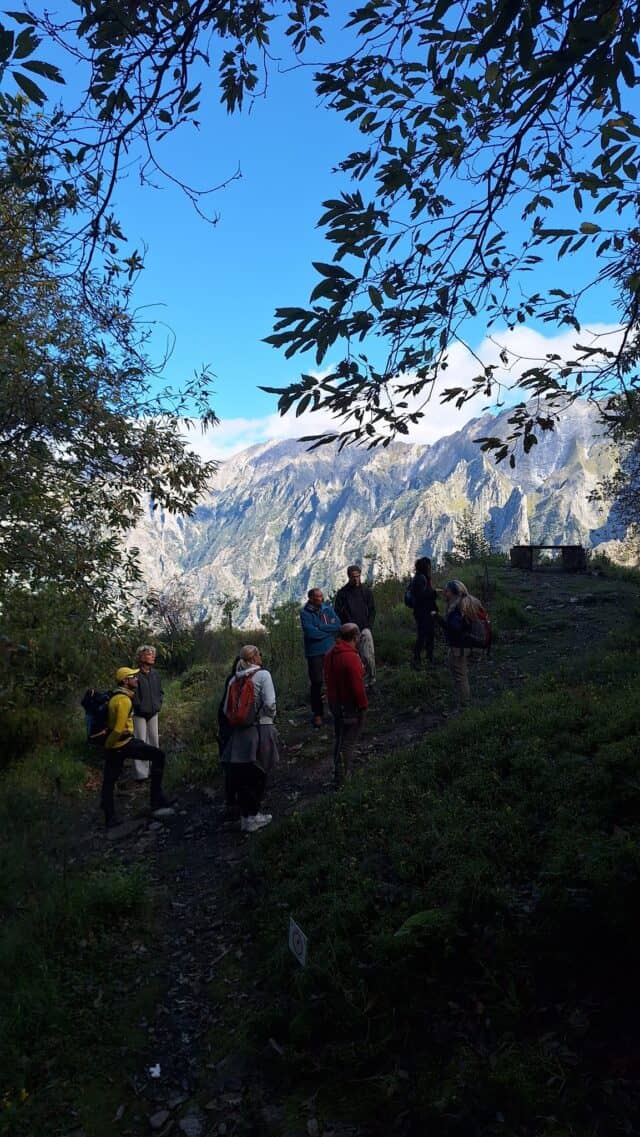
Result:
[340,653]
[125,723]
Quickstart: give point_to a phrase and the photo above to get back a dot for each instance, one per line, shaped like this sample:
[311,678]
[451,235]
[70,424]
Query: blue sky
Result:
[215,288]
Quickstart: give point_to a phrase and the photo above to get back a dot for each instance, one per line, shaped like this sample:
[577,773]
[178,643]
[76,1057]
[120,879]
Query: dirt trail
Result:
[192,859]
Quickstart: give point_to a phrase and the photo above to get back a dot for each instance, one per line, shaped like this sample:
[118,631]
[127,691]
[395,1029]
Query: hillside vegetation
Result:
[472,909]
[471,899]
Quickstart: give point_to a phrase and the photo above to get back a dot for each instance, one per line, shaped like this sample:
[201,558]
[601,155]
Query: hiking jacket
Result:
[425,600]
[454,625]
[147,700]
[355,605]
[119,718]
[344,677]
[320,627]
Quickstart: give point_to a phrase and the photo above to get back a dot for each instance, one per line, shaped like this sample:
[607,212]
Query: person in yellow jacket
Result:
[121,744]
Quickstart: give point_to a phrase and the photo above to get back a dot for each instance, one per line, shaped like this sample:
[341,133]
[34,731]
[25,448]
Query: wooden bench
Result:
[574,557]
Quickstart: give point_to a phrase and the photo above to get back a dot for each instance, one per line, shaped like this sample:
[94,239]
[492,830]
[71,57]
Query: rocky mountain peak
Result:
[279,518]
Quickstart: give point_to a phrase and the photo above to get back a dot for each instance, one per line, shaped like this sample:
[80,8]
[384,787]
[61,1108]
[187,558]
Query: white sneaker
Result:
[252,824]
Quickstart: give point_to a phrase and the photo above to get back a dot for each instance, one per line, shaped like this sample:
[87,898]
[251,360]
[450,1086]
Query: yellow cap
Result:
[125,672]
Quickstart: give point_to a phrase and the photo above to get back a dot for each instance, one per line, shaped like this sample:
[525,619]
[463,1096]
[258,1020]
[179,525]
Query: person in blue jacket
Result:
[320,627]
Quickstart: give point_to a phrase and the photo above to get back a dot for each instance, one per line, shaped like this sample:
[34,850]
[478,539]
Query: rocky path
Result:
[191,1080]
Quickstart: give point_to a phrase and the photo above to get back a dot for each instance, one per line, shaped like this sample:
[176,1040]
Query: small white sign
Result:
[297,942]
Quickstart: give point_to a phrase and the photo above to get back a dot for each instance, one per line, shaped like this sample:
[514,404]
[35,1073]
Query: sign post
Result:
[297,942]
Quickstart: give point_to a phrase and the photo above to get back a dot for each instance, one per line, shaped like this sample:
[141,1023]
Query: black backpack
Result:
[96,707]
[408,595]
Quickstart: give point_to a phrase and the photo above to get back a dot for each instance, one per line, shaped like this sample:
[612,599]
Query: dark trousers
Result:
[347,724]
[425,635]
[245,784]
[315,664]
[230,791]
[113,763]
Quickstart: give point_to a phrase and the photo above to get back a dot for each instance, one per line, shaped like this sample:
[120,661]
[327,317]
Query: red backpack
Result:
[240,707]
[478,631]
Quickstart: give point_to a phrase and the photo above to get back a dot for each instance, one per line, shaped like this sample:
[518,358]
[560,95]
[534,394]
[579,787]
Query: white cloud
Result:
[524,345]
[236,434]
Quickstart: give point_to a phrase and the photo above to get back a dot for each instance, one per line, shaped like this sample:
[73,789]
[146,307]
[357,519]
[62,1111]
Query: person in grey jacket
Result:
[252,750]
[147,704]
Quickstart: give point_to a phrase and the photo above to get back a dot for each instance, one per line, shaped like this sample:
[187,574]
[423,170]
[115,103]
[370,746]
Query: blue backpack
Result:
[96,707]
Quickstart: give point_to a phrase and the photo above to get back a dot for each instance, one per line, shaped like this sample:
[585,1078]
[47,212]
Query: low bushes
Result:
[472,911]
[60,953]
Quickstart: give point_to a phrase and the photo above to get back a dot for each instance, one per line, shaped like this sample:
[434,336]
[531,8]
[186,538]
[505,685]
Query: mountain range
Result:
[279,518]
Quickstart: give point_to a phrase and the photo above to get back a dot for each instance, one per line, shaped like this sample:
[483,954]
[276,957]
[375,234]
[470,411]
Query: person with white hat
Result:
[121,744]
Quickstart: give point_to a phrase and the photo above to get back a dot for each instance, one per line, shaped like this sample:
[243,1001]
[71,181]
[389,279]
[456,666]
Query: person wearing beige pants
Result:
[460,611]
[355,604]
[146,707]
[459,667]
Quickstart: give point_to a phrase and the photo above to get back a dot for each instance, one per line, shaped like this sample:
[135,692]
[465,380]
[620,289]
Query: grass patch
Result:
[64,939]
[472,909]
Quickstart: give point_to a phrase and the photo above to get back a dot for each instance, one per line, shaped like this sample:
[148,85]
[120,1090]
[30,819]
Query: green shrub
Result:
[284,653]
[197,677]
[59,943]
[509,615]
[21,729]
[468,904]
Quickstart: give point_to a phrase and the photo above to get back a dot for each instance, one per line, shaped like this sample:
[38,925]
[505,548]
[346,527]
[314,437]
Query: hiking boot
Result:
[161,801]
[161,806]
[252,824]
[229,814]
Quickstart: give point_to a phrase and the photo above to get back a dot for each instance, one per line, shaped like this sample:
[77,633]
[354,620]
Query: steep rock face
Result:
[279,519]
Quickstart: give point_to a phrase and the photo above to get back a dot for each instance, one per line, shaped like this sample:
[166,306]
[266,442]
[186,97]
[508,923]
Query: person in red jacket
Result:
[347,698]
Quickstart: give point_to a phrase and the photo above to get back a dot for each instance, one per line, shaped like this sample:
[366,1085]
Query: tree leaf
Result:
[47,70]
[30,89]
[6,44]
[26,44]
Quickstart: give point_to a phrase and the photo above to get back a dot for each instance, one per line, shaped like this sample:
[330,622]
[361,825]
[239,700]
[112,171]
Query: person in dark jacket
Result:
[347,697]
[320,626]
[425,608]
[225,730]
[147,704]
[354,604]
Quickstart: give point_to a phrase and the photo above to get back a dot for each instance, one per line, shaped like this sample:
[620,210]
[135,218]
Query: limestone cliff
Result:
[279,518]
